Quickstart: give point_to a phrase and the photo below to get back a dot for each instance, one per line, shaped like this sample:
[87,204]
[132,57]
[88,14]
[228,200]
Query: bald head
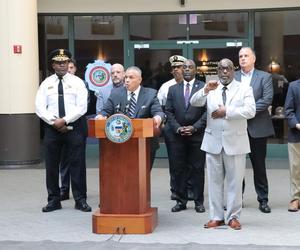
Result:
[117,74]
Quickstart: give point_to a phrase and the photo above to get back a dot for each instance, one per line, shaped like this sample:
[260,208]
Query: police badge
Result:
[118,128]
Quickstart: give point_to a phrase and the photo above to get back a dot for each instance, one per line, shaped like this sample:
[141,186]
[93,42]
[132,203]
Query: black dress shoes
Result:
[51,206]
[82,206]
[200,208]
[178,207]
[64,196]
[264,207]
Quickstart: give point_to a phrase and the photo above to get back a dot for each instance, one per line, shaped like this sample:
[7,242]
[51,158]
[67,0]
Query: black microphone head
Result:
[118,108]
[127,107]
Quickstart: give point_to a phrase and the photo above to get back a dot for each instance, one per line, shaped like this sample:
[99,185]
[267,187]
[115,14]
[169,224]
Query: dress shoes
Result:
[264,207]
[200,208]
[82,206]
[178,207]
[51,206]
[294,206]
[64,196]
[235,224]
[214,223]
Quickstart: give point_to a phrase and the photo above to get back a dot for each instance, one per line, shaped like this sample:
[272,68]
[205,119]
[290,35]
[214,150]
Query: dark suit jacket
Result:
[261,125]
[147,104]
[178,115]
[292,111]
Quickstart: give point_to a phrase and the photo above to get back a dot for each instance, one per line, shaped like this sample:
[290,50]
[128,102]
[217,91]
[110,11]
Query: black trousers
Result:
[257,156]
[64,172]
[188,162]
[74,142]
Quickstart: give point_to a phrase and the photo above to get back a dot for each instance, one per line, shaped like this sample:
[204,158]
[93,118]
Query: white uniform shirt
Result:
[163,91]
[75,98]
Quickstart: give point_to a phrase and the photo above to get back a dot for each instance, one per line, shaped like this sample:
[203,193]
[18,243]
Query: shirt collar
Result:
[249,74]
[136,92]
[190,82]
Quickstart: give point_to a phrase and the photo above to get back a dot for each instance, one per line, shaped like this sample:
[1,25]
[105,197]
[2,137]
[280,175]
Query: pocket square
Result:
[143,107]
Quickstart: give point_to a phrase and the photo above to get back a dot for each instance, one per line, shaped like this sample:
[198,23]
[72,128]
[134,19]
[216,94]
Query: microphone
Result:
[127,108]
[118,108]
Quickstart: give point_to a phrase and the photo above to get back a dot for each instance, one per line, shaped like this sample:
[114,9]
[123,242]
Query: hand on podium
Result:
[156,122]
[100,117]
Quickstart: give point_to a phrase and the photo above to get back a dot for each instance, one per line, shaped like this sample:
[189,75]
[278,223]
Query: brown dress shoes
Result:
[294,206]
[235,224]
[214,223]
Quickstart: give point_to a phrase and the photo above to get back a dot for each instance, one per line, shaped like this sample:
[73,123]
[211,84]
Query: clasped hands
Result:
[60,125]
[186,130]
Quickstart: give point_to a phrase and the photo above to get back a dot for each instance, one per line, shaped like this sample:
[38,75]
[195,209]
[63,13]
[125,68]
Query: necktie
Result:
[132,105]
[187,94]
[224,94]
[61,103]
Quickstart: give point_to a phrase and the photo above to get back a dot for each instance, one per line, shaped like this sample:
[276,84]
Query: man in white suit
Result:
[229,105]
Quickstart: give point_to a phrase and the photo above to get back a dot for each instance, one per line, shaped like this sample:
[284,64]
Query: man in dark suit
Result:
[292,114]
[260,127]
[145,104]
[185,127]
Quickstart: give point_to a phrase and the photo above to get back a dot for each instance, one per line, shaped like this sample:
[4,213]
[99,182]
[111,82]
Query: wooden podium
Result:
[124,174]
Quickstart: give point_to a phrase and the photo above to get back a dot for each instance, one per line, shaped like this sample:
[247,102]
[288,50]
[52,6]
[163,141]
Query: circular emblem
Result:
[118,128]
[99,76]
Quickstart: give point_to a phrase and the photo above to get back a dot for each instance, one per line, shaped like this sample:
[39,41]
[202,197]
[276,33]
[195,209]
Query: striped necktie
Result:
[132,105]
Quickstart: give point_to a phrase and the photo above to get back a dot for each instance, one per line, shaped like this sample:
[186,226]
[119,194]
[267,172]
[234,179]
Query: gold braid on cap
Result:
[61,56]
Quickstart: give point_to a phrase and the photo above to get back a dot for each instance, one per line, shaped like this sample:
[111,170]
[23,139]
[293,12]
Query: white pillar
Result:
[19,80]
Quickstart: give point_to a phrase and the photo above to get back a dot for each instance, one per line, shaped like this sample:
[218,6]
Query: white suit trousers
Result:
[221,169]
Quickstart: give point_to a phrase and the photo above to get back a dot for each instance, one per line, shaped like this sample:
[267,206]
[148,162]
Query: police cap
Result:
[60,55]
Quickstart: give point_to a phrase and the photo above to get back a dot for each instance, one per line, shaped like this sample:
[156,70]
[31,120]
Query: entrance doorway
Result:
[153,58]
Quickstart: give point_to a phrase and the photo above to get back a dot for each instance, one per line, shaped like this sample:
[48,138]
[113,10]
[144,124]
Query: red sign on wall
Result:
[17,49]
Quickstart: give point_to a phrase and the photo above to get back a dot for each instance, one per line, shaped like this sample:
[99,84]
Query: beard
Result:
[226,81]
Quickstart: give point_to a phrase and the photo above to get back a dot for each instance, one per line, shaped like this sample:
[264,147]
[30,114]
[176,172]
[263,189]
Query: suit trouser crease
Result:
[258,159]
[65,172]
[294,160]
[223,168]
[188,162]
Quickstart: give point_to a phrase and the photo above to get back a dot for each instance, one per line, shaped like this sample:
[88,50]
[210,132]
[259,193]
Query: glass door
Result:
[153,59]
[207,54]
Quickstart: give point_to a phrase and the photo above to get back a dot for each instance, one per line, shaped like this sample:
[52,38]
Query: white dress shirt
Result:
[75,98]
[136,94]
[246,77]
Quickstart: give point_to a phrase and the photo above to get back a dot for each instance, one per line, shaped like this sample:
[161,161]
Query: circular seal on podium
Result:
[118,128]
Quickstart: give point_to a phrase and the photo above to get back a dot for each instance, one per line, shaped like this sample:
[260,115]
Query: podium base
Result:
[125,223]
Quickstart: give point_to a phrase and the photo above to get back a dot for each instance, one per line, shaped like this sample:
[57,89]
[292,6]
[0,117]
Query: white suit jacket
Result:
[228,133]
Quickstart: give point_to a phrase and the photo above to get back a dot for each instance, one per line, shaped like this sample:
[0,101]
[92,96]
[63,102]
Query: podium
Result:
[124,175]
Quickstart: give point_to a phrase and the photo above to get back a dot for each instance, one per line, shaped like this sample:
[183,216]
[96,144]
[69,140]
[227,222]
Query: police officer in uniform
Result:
[61,102]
